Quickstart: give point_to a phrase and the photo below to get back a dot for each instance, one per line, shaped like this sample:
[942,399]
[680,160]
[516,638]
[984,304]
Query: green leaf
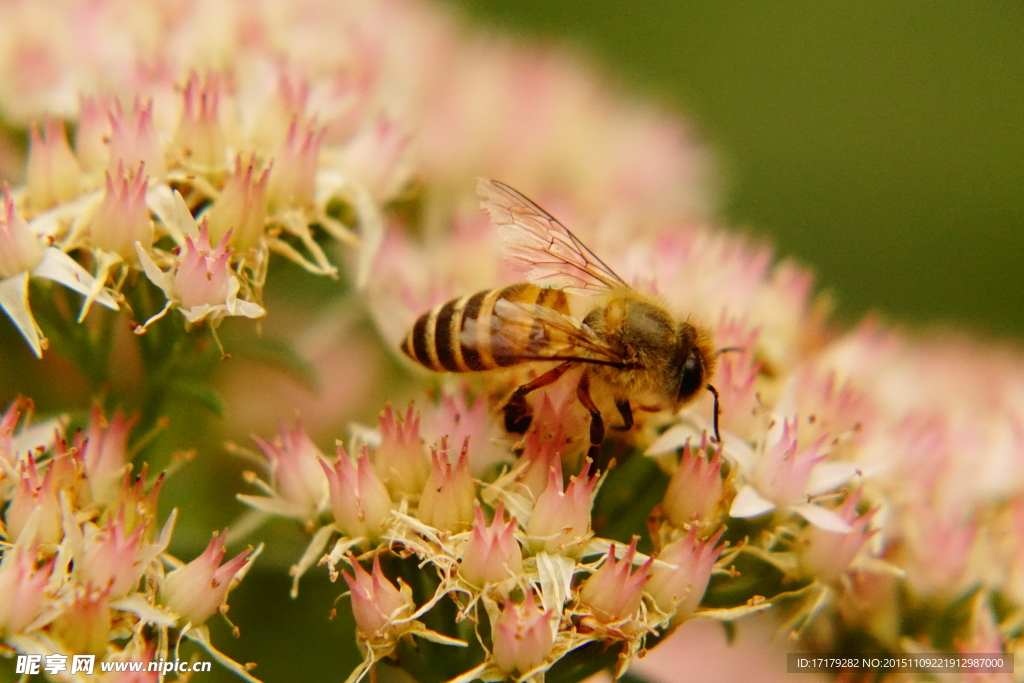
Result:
[200,392]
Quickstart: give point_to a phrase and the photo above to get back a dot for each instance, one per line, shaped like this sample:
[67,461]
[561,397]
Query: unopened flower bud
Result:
[35,496]
[492,555]
[560,521]
[203,275]
[20,249]
[679,588]
[93,133]
[376,602]
[53,175]
[293,180]
[134,140]
[199,137]
[111,558]
[359,499]
[400,460]
[104,451]
[85,622]
[695,489]
[22,588]
[522,636]
[241,207]
[448,496]
[613,592]
[122,219]
[197,590]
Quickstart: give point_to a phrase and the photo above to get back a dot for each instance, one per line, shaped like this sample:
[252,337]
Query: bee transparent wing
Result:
[551,255]
[531,332]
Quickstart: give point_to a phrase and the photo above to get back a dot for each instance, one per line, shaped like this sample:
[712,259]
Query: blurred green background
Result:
[879,141]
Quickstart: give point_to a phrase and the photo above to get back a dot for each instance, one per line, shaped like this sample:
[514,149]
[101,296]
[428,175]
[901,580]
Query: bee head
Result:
[691,369]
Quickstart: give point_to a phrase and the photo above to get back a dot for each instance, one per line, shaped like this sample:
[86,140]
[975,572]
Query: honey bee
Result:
[627,340]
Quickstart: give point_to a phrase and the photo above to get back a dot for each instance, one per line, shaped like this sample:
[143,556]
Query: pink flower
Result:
[112,559]
[241,208]
[613,592]
[359,499]
[376,602]
[449,494]
[199,138]
[560,521]
[122,219]
[20,249]
[134,140]
[295,467]
[458,419]
[678,588]
[53,176]
[197,590]
[400,460]
[93,134]
[22,588]
[827,555]
[695,491]
[522,638]
[540,456]
[293,180]
[104,451]
[38,497]
[492,555]
[84,625]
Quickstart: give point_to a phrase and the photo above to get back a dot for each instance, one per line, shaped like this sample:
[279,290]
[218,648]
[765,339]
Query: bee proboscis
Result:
[627,340]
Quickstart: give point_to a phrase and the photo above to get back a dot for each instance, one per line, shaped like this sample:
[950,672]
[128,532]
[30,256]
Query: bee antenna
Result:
[714,392]
[729,349]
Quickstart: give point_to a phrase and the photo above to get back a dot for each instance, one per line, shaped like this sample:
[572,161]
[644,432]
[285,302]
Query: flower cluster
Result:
[84,568]
[867,485]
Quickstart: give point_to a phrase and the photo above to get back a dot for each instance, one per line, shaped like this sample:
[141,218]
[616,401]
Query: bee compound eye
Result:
[692,377]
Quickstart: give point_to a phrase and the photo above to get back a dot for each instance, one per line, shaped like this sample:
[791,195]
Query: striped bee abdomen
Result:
[465,335]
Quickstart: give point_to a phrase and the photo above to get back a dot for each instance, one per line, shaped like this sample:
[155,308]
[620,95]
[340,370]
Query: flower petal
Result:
[822,517]
[153,272]
[59,267]
[828,476]
[749,503]
[675,437]
[14,301]
[172,211]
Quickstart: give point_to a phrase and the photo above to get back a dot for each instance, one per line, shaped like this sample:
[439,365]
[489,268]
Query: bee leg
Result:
[517,410]
[718,436]
[596,421]
[626,411]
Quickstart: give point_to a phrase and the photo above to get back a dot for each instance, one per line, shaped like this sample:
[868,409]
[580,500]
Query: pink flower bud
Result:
[53,176]
[612,592]
[458,420]
[202,276]
[376,602]
[134,140]
[199,137]
[93,134]
[20,249]
[122,219]
[827,555]
[678,589]
[35,496]
[295,468]
[104,452]
[541,455]
[84,624]
[22,588]
[735,376]
[400,460]
[359,499]
[492,555]
[197,590]
[287,105]
[448,496]
[522,636]
[560,521]
[111,558]
[241,207]
[9,420]
[293,180]
[695,490]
